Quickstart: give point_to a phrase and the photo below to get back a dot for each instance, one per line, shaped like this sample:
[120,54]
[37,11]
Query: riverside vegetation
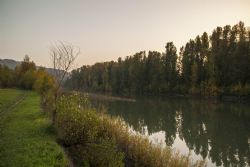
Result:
[90,138]
[207,67]
[27,137]
[95,139]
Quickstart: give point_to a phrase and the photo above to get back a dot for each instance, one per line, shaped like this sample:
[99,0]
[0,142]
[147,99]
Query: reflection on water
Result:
[216,132]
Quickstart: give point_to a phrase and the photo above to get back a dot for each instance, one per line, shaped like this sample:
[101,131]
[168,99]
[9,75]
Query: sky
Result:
[107,29]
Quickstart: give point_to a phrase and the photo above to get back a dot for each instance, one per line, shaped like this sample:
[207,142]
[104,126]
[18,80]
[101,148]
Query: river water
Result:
[214,131]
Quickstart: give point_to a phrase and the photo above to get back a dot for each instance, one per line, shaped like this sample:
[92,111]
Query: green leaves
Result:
[222,58]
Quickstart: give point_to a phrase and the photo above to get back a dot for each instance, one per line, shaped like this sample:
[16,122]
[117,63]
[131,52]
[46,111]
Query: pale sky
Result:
[107,29]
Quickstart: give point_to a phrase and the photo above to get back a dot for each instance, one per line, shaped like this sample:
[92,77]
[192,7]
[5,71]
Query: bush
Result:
[79,128]
[75,125]
[104,153]
[210,89]
[6,77]
[239,89]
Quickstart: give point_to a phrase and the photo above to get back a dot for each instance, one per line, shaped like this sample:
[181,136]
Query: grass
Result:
[8,96]
[26,134]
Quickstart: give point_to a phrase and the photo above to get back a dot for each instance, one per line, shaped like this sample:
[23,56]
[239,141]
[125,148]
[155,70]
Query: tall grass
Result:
[95,139]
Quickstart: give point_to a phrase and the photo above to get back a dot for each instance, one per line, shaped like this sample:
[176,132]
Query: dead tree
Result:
[63,56]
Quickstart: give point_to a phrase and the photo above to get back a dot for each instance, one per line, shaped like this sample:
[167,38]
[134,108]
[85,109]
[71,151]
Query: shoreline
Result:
[221,98]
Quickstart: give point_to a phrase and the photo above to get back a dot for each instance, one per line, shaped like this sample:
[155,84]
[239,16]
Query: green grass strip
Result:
[26,136]
[8,97]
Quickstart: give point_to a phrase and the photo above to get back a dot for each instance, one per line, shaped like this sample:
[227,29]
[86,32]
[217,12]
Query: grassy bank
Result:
[95,139]
[8,97]
[26,136]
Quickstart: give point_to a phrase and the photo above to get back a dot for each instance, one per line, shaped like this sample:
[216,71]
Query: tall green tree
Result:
[206,65]
[170,61]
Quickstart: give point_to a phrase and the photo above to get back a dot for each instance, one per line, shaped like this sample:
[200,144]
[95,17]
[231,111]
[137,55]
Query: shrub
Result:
[104,153]
[78,126]
[241,90]
[45,85]
[75,125]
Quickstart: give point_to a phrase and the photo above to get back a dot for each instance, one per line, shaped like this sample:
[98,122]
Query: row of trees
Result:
[207,65]
[28,76]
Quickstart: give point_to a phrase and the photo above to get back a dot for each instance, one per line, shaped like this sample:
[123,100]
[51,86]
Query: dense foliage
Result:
[207,66]
[27,76]
[95,139]
[79,130]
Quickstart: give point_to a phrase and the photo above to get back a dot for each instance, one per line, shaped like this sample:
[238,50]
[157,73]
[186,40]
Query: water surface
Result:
[215,131]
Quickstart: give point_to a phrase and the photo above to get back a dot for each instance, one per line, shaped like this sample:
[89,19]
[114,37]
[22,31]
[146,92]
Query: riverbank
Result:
[222,97]
[27,136]
[90,138]
[110,97]
[95,139]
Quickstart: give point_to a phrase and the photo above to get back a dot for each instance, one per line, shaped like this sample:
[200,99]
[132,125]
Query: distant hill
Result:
[9,63]
[13,63]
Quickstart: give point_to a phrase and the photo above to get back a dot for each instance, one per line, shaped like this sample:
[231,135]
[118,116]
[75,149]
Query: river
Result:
[215,131]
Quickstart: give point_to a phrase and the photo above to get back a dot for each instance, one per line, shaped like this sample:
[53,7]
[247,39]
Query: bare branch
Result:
[63,56]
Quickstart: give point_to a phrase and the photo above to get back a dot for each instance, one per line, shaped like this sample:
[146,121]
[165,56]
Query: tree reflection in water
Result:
[216,131]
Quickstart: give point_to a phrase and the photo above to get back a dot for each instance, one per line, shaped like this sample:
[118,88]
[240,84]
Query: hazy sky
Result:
[108,29]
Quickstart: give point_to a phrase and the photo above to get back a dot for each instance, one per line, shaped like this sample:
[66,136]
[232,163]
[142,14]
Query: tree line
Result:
[30,77]
[27,76]
[207,65]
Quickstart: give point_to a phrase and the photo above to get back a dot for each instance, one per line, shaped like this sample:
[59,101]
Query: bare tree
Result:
[63,56]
